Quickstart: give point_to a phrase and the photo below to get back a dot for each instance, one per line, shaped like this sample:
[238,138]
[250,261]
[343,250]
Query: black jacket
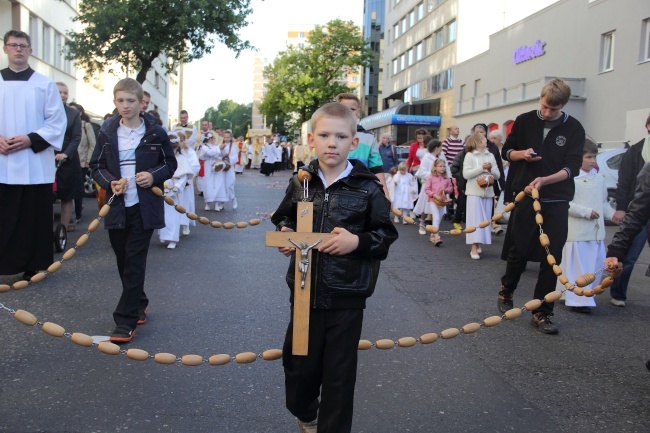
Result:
[636,217]
[357,204]
[631,165]
[154,154]
[561,149]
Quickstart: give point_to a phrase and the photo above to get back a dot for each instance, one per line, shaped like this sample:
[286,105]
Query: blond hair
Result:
[129,85]
[341,96]
[401,166]
[471,144]
[557,92]
[437,162]
[335,110]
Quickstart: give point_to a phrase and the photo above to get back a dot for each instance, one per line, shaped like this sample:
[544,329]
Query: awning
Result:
[391,116]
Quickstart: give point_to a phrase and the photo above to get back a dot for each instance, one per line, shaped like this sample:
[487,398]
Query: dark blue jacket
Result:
[154,154]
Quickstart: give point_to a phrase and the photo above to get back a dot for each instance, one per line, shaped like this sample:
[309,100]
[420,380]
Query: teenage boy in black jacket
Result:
[130,147]
[545,152]
[349,202]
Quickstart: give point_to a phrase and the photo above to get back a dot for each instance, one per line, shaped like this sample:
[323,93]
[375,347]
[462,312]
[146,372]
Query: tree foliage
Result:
[133,33]
[302,79]
[231,111]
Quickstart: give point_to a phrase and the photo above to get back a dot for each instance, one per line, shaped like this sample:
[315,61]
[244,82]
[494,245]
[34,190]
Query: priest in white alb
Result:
[32,126]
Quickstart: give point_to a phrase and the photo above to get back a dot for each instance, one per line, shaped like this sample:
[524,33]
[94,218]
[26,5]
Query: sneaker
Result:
[504,303]
[617,302]
[474,256]
[142,319]
[497,229]
[234,203]
[422,230]
[396,219]
[207,206]
[543,323]
[186,230]
[308,427]
[583,310]
[171,245]
[457,226]
[412,214]
[122,334]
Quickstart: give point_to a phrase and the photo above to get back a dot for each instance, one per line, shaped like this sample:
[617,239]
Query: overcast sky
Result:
[220,75]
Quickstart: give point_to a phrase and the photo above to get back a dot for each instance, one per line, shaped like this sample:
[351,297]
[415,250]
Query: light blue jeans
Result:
[619,288]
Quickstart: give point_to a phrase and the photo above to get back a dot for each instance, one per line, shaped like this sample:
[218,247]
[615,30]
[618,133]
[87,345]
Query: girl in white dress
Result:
[175,188]
[585,248]
[188,200]
[478,163]
[423,206]
[226,182]
[211,154]
[406,190]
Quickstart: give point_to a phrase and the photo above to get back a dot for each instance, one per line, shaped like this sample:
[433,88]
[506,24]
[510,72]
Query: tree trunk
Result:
[145,66]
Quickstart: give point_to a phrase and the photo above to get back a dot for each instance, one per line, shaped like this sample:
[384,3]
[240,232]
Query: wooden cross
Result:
[304,240]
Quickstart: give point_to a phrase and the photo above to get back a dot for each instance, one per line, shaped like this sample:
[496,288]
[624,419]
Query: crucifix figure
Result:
[305,240]
[303,266]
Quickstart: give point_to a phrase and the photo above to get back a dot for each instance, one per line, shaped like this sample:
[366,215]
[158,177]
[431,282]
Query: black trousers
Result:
[26,235]
[131,246]
[526,247]
[329,370]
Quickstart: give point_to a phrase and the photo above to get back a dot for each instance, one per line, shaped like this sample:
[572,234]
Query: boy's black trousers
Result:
[329,370]
[131,246]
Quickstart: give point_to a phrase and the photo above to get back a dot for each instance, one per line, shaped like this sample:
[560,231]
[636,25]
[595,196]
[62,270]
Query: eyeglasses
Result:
[15,46]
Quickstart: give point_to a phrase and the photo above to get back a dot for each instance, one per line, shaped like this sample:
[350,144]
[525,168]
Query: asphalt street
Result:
[223,291]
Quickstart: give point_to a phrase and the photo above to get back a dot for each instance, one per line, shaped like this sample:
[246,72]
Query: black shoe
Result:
[143,317]
[122,334]
[504,303]
[28,275]
[583,310]
[543,323]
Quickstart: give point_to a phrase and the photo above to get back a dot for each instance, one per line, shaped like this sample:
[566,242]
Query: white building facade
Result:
[600,47]
[47,22]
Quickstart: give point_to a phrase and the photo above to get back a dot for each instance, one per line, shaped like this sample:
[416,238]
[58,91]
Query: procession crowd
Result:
[355,181]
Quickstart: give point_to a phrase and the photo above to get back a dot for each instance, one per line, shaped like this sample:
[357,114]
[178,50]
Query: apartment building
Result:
[601,47]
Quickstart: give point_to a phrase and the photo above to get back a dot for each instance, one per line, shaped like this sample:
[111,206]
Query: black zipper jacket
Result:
[636,217]
[561,149]
[357,204]
[631,164]
[154,154]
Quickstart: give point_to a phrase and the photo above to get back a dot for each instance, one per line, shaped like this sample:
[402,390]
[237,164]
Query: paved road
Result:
[224,292]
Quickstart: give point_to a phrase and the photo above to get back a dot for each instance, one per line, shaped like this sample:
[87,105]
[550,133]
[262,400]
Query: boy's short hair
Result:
[590,147]
[557,92]
[352,96]
[471,144]
[61,83]
[433,144]
[184,112]
[129,85]
[18,35]
[335,110]
[145,93]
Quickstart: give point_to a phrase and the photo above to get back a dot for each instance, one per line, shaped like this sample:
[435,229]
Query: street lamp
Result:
[229,122]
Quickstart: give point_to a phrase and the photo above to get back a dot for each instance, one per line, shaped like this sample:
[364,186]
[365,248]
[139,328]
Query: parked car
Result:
[607,163]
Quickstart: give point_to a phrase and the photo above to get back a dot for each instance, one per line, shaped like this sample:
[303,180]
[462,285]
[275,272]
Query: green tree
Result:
[133,33]
[230,115]
[302,79]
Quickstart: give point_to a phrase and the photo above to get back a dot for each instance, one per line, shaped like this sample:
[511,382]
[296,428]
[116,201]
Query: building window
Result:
[395,69]
[428,45]
[419,52]
[47,43]
[607,52]
[412,18]
[404,25]
[402,62]
[645,42]
[396,30]
[451,32]
[411,58]
[440,39]
[301,34]
[33,32]
[420,9]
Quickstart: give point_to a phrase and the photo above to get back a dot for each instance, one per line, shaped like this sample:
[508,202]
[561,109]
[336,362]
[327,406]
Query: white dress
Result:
[188,201]
[210,153]
[226,185]
[423,206]
[406,191]
[479,200]
[585,248]
[175,188]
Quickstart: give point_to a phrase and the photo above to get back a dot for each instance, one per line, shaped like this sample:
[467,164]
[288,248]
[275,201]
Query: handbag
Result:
[485,180]
[217,166]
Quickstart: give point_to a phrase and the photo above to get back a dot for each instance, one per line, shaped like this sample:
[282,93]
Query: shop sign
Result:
[412,119]
[525,53]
